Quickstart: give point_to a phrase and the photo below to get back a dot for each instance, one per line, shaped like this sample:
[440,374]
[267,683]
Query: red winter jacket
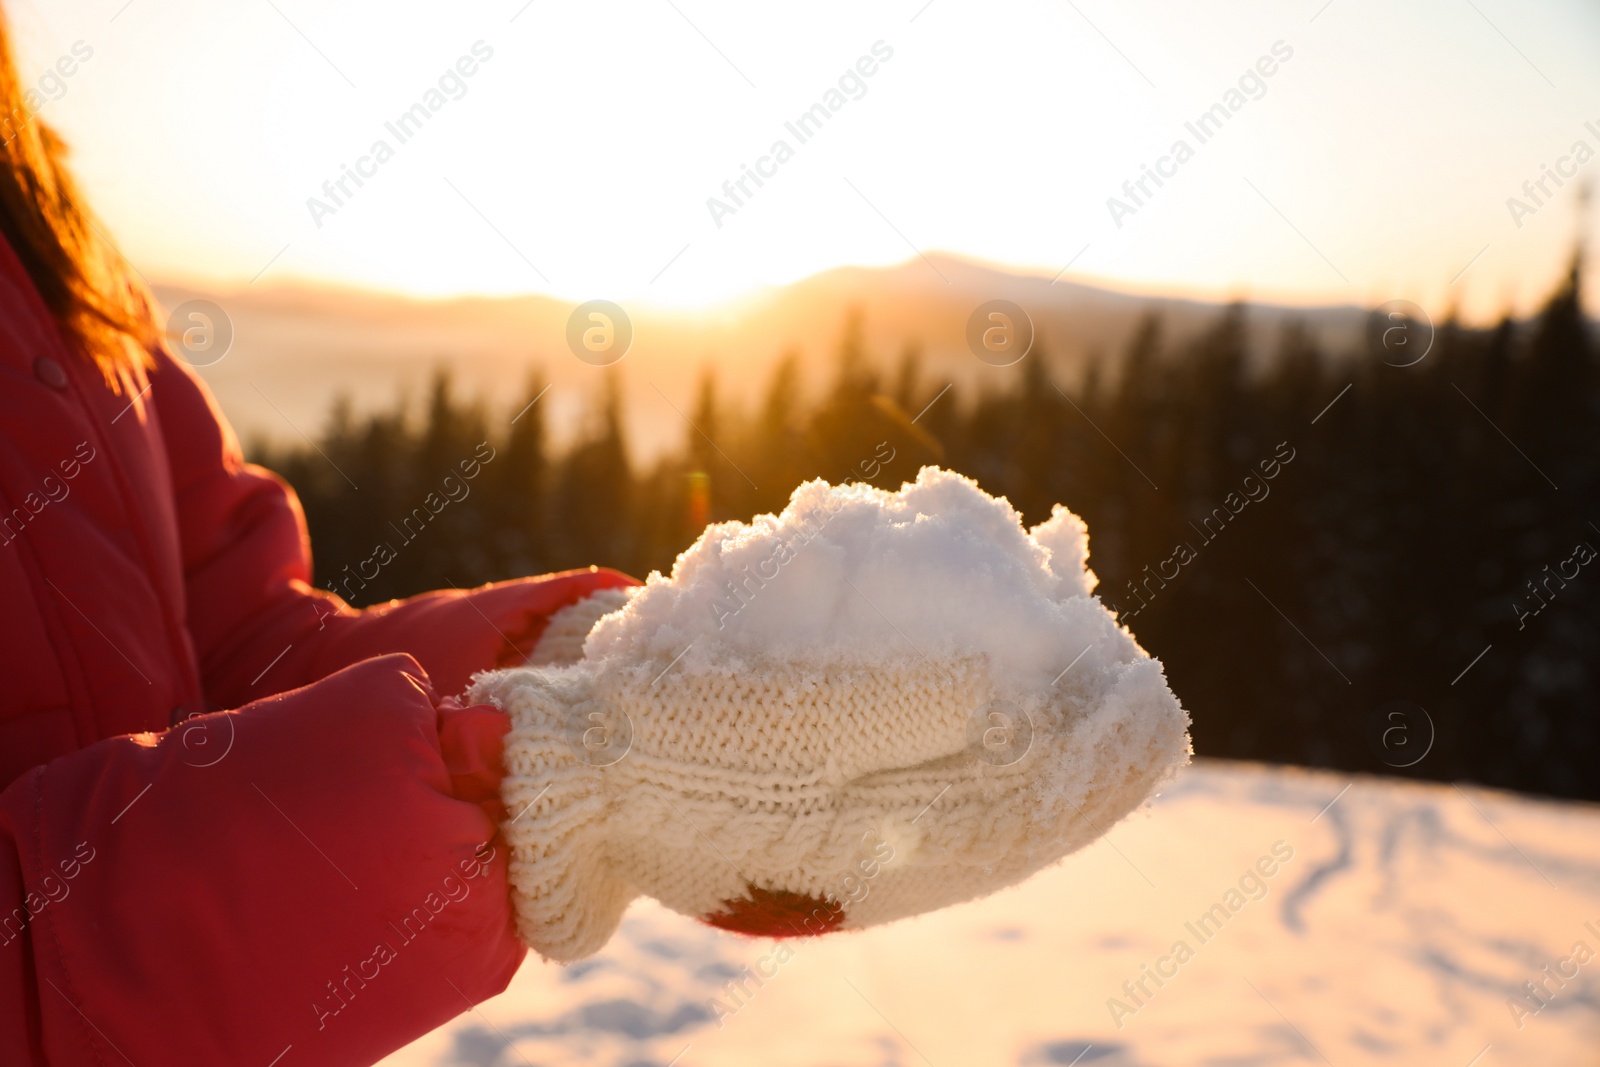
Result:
[304,880]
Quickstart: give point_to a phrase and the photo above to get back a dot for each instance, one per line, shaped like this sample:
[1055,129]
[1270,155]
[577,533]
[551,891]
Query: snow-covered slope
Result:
[1400,928]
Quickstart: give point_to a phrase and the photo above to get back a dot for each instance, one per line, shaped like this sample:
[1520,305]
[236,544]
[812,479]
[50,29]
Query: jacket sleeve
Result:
[313,872]
[258,625]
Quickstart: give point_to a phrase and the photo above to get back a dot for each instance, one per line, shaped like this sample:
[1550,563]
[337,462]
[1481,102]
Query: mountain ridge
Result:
[296,346]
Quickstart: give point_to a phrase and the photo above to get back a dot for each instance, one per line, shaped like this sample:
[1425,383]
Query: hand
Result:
[782,799]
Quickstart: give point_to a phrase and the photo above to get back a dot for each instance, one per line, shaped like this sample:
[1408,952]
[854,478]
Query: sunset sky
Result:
[578,156]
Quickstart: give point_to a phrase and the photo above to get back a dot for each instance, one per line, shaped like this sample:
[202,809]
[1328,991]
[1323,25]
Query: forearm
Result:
[300,872]
[306,634]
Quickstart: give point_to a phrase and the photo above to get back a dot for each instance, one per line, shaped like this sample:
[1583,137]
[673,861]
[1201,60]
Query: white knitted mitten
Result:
[779,776]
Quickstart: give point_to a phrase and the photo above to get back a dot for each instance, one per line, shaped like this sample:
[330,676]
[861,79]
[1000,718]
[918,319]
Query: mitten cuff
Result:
[568,900]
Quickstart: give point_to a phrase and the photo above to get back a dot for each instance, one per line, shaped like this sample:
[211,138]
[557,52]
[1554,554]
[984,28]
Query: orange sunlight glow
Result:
[679,157]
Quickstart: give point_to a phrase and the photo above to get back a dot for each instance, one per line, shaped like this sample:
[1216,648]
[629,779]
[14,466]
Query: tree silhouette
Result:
[1303,542]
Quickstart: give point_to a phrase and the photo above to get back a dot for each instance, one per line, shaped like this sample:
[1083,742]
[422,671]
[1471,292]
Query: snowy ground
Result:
[1405,919]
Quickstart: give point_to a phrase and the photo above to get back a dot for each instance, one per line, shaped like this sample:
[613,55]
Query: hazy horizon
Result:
[295,349]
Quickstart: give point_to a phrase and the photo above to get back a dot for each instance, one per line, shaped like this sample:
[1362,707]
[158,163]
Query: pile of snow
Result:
[851,574]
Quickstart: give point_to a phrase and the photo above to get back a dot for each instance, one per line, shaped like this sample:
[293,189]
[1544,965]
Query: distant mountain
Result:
[296,348]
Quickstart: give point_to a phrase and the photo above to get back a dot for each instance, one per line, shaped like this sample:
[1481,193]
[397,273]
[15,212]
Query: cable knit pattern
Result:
[858,787]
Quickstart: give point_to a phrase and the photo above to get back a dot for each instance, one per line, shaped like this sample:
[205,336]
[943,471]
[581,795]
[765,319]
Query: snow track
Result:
[1407,918]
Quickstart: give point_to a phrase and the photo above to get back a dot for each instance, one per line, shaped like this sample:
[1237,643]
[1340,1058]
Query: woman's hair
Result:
[85,282]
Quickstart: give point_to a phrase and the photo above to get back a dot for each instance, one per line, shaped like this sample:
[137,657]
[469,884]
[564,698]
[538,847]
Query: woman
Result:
[311,878]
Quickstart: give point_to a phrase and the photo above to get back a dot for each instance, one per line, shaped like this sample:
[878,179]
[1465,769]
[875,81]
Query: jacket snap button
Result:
[50,372]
